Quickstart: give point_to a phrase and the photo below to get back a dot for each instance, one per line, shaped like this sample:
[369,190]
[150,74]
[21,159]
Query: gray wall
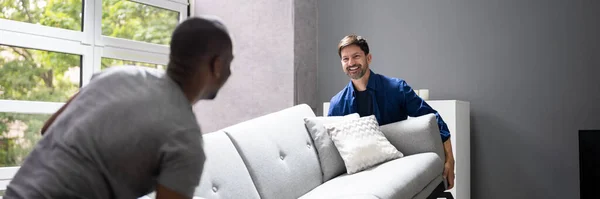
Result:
[270,63]
[529,68]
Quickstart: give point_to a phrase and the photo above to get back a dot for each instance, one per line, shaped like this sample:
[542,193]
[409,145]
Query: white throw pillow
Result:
[361,143]
[331,162]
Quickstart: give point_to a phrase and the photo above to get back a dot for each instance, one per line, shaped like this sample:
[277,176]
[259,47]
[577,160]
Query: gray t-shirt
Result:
[128,130]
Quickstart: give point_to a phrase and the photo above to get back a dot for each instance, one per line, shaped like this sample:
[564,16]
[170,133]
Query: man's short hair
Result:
[353,40]
[192,40]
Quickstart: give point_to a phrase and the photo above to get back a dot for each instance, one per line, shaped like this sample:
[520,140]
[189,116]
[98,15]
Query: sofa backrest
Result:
[416,135]
[279,153]
[224,175]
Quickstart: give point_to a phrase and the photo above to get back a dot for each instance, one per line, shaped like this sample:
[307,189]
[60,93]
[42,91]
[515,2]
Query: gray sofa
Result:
[273,157]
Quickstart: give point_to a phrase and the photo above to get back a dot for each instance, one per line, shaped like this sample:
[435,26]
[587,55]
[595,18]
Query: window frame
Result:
[31,41]
[89,43]
[101,40]
[45,31]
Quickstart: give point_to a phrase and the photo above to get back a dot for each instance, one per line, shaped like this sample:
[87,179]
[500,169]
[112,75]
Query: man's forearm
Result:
[449,165]
[448,150]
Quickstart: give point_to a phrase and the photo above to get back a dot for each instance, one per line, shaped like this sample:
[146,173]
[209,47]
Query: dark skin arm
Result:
[166,193]
[55,115]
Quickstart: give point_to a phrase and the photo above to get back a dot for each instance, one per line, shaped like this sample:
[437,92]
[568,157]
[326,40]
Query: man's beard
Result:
[211,96]
[213,91]
[362,70]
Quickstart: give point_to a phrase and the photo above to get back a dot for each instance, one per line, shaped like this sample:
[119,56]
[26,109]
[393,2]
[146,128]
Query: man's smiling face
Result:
[354,61]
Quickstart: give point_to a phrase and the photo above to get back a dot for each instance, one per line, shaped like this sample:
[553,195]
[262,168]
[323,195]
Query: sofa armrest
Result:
[415,135]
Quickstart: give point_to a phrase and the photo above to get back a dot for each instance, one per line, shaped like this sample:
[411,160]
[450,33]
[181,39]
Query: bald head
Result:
[201,52]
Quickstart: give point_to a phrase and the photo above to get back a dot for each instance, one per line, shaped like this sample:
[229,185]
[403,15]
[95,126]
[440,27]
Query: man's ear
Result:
[369,58]
[216,65]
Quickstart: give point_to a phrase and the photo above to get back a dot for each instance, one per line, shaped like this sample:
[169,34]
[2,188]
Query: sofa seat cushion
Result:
[400,178]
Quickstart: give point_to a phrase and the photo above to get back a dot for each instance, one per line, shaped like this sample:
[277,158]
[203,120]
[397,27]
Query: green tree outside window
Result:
[38,75]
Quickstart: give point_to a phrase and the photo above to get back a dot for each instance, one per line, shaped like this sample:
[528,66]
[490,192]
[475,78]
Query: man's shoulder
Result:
[127,72]
[130,82]
[390,79]
[390,82]
[141,91]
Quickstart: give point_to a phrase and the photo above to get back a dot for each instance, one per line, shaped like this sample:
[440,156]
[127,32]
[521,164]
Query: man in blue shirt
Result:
[389,99]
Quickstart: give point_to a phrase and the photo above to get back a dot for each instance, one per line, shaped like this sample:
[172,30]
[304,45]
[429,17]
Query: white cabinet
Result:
[456,114]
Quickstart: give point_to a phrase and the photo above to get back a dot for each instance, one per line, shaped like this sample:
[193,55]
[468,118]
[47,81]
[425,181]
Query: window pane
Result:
[54,13]
[108,62]
[18,135]
[136,21]
[38,75]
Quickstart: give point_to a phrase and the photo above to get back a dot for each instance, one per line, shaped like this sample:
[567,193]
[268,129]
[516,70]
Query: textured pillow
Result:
[361,143]
[332,163]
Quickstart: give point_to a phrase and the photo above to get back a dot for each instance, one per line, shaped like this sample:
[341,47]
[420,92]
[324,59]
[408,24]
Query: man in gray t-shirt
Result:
[131,130]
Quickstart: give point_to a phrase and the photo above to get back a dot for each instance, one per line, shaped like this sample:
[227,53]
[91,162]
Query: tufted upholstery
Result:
[279,153]
[273,157]
[225,174]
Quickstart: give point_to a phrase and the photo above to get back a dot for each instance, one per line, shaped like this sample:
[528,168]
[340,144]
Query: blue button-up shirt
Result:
[393,100]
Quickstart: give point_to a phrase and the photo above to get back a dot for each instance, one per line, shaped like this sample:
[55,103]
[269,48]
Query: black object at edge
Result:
[589,162]
[439,192]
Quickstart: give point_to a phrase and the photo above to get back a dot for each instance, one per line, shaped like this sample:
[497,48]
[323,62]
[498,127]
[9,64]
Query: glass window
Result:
[38,75]
[66,14]
[18,135]
[139,22]
[108,62]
